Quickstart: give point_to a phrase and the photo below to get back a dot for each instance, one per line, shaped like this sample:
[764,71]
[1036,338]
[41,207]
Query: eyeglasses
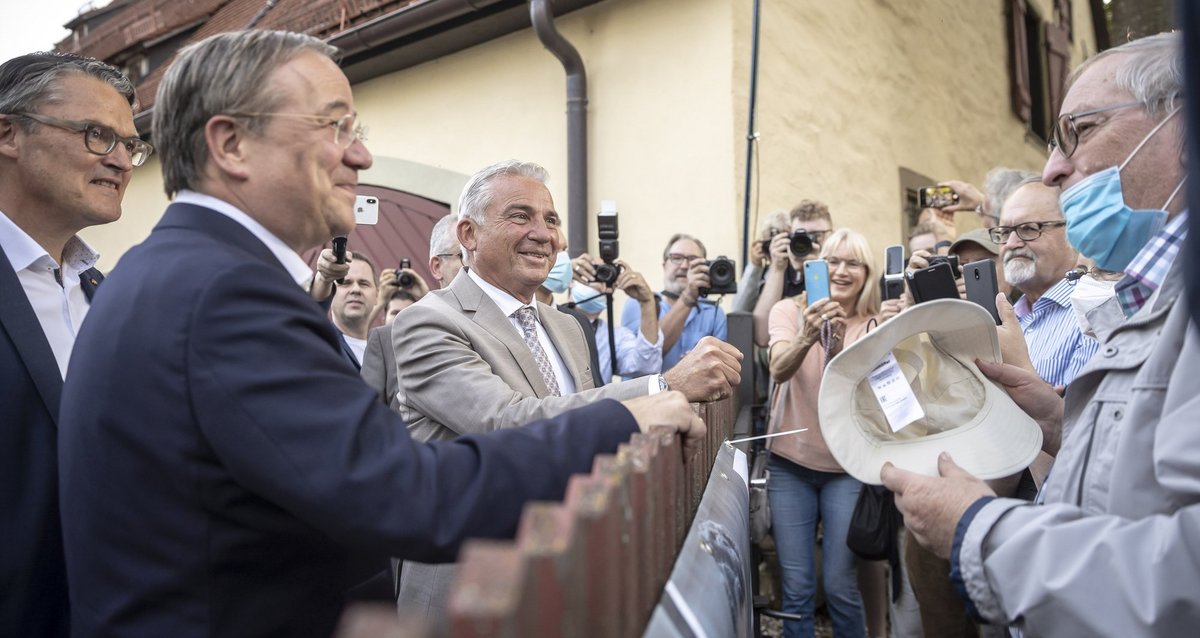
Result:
[850,264]
[1065,135]
[679,260]
[97,138]
[346,128]
[446,255]
[1028,231]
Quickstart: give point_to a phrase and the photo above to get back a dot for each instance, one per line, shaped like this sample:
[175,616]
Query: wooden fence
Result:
[596,563]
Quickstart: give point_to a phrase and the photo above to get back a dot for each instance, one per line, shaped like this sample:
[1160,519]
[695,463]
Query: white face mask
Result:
[1089,293]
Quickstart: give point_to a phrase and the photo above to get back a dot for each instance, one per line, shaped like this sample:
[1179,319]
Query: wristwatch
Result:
[662,384]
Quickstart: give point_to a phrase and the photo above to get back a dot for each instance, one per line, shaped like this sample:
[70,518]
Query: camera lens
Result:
[405,280]
[800,243]
[607,274]
[720,273]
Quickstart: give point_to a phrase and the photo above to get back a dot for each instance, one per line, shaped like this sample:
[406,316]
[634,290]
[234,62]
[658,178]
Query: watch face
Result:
[662,383]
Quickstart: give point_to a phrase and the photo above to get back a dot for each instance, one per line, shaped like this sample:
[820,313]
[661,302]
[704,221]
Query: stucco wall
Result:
[851,91]
[658,112]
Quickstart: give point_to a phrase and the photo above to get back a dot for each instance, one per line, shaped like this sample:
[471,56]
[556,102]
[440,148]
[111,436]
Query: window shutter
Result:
[1058,59]
[1018,61]
[1062,10]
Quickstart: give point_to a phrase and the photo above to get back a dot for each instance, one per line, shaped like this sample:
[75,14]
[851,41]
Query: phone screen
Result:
[816,280]
[894,260]
[936,197]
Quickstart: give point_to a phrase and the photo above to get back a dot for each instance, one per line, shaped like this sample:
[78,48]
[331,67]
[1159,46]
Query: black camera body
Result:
[951,260]
[801,243]
[722,277]
[403,279]
[607,274]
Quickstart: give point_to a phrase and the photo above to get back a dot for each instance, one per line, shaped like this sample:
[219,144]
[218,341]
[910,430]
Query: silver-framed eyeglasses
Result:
[850,264]
[346,128]
[97,138]
[1028,231]
[680,259]
[1065,135]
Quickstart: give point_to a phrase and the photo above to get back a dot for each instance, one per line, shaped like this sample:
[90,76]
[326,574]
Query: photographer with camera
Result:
[755,271]
[810,223]
[395,280]
[683,315]
[637,353]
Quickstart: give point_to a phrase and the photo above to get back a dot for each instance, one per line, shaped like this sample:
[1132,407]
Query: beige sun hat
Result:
[935,344]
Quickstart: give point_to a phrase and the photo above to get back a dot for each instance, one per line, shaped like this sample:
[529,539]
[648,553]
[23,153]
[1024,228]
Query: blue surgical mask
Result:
[1099,222]
[588,299]
[560,275]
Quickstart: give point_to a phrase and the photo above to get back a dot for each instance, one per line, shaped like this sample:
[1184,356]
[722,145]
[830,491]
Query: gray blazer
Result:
[379,363]
[1112,551]
[462,367]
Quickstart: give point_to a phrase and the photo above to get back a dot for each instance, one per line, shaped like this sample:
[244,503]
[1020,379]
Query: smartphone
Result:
[816,280]
[934,282]
[980,278]
[936,197]
[892,283]
[366,210]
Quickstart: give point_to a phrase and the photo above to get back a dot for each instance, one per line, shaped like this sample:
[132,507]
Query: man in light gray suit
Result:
[482,354]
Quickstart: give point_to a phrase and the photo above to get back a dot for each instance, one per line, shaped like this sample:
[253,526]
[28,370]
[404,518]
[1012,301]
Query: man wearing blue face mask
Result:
[1109,547]
[636,354]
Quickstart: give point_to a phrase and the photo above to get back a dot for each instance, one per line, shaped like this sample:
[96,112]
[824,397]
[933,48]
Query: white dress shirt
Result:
[60,307]
[508,305]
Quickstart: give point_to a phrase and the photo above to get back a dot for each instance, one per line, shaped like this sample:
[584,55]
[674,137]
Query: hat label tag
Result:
[895,396]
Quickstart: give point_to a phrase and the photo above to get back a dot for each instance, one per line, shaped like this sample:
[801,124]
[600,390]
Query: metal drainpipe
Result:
[577,217]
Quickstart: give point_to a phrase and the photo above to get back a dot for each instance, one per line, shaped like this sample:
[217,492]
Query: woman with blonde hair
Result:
[807,486]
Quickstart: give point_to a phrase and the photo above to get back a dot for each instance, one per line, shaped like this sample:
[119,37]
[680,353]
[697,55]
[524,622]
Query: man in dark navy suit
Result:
[67,150]
[222,463]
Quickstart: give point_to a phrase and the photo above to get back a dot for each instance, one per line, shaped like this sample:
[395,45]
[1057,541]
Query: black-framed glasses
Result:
[818,236]
[1028,231]
[346,128]
[1065,135]
[97,138]
[446,255]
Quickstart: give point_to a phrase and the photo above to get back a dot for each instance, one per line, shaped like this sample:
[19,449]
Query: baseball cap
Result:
[978,236]
[935,345]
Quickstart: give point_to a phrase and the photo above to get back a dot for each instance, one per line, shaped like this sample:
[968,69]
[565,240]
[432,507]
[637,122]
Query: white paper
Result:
[899,404]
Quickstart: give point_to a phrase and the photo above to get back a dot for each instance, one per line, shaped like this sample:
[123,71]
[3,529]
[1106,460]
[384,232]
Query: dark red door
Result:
[405,222]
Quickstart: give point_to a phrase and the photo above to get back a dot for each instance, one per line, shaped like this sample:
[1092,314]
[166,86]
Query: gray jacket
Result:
[1114,550]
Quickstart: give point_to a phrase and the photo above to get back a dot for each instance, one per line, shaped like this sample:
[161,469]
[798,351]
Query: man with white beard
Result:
[1033,246]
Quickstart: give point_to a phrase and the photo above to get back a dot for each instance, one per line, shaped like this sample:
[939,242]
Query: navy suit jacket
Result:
[224,465]
[33,579]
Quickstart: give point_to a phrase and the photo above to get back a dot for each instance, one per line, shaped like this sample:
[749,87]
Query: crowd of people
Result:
[201,456]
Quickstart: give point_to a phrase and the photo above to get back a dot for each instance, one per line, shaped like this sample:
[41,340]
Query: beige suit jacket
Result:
[463,368]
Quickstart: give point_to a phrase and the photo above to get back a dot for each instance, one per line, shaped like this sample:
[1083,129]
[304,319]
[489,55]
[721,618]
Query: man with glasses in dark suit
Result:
[68,147]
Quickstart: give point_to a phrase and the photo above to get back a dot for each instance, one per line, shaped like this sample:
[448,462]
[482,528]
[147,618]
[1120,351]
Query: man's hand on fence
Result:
[670,409]
[708,372]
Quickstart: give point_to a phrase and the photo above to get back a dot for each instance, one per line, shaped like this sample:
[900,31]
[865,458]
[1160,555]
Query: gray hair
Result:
[681,237]
[776,222]
[222,74]
[1002,182]
[477,196]
[442,240]
[29,81]
[1152,71]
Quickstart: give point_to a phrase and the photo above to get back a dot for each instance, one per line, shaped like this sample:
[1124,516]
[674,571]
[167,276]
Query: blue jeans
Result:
[800,498]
